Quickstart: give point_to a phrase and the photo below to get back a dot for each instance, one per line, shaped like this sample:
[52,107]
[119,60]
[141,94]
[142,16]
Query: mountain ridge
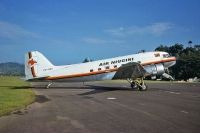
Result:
[12,69]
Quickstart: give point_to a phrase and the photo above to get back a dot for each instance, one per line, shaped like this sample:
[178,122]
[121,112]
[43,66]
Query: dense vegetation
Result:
[188,60]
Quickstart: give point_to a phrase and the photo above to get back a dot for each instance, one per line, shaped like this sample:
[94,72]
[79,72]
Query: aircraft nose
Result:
[171,62]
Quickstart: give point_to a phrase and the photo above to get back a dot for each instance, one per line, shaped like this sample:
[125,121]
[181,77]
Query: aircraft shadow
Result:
[94,89]
[103,89]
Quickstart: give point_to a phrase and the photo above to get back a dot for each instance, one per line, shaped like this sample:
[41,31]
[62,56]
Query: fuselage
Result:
[153,62]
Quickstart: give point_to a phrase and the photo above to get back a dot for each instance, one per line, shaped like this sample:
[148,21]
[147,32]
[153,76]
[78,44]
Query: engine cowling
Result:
[155,69]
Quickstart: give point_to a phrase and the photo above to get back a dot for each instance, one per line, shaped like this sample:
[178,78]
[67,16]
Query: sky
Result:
[68,31]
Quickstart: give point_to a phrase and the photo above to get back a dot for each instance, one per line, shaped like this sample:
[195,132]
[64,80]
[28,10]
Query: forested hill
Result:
[11,68]
[188,60]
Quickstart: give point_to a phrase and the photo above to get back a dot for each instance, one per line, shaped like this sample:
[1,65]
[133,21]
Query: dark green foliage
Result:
[10,68]
[188,60]
[87,60]
[162,48]
[142,51]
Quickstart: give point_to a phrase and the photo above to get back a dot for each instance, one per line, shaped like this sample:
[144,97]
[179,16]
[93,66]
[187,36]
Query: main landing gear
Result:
[138,84]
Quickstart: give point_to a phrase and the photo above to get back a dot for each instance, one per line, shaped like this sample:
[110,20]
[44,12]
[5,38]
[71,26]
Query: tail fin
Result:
[36,64]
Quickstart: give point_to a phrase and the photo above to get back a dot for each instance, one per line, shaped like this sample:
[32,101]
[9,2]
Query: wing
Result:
[131,70]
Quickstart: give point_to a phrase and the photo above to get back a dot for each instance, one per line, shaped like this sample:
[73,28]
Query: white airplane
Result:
[134,68]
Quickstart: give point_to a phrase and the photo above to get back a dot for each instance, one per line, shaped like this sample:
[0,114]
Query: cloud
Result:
[156,29]
[159,28]
[93,40]
[117,32]
[13,31]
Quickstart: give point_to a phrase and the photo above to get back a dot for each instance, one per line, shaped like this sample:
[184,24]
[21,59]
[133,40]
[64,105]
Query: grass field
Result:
[14,94]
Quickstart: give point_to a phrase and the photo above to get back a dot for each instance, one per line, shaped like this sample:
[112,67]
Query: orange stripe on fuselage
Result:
[106,71]
[161,61]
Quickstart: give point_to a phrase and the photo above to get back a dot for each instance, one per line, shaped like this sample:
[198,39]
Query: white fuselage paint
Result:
[90,71]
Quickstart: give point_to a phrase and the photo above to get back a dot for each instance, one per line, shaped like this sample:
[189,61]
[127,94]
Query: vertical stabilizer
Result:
[35,64]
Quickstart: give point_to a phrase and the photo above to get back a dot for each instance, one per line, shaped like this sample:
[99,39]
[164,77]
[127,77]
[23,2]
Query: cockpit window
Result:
[165,55]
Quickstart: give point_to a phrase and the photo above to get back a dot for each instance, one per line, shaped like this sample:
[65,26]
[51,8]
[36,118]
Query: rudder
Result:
[35,64]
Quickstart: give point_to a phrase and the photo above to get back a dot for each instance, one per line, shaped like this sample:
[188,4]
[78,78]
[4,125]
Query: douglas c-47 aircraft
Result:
[133,68]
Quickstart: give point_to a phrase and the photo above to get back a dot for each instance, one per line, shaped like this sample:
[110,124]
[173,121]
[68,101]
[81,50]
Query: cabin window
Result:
[99,69]
[157,55]
[107,67]
[115,66]
[91,70]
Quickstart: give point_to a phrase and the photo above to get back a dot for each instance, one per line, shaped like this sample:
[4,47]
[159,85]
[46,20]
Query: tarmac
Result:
[108,107]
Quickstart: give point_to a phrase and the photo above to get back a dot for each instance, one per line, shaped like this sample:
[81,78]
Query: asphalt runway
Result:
[108,107]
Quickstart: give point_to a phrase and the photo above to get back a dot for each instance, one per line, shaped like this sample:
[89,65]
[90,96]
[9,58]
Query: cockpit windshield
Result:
[166,55]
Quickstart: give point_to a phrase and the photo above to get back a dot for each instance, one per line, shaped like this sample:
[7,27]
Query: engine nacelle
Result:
[155,69]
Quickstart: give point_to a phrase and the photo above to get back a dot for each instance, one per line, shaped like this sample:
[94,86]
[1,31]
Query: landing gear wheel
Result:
[142,87]
[134,85]
[138,84]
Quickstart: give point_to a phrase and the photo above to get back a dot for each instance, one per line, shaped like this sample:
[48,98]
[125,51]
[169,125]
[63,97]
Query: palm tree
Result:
[190,43]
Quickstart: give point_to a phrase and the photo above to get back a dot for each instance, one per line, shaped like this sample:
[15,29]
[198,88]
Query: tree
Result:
[87,60]
[176,49]
[189,43]
[142,51]
[188,60]
[197,47]
[162,48]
